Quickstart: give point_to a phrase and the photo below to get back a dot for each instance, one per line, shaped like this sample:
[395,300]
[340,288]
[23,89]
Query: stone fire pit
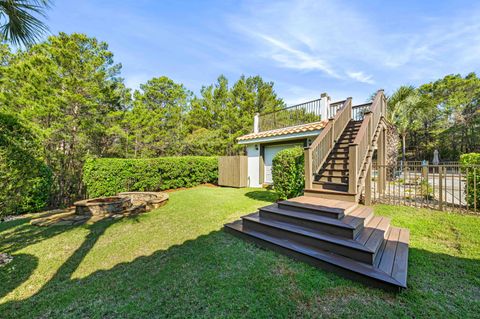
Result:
[103,205]
[151,200]
[94,209]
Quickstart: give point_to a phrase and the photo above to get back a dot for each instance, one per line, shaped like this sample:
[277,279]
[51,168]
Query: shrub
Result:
[471,168]
[288,172]
[109,176]
[25,180]
[426,190]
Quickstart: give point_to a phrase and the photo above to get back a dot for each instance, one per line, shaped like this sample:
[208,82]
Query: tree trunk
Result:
[392,149]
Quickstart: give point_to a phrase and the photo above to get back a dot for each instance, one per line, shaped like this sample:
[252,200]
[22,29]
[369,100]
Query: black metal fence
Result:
[447,186]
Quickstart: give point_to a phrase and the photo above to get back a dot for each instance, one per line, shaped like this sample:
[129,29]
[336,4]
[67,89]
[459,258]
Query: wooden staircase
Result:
[334,173]
[327,227]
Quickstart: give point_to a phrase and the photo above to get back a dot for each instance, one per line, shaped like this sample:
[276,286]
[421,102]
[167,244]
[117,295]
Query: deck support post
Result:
[352,168]
[368,186]
[332,135]
[308,168]
[382,159]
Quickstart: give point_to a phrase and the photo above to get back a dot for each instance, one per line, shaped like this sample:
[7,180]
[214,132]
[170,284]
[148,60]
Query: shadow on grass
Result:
[23,265]
[218,275]
[16,272]
[265,196]
[4,226]
[25,234]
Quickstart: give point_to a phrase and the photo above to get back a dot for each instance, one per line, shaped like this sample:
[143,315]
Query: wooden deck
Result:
[335,235]
[327,227]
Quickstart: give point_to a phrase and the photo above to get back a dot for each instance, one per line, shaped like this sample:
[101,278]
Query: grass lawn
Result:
[177,262]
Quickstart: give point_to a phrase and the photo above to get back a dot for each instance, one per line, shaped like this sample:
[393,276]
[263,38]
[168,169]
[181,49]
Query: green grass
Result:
[177,262]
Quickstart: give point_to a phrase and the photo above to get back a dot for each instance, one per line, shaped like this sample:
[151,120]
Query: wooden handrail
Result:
[325,132]
[318,151]
[359,149]
[330,124]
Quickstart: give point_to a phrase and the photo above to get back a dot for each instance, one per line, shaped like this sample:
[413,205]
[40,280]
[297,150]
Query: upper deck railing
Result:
[303,113]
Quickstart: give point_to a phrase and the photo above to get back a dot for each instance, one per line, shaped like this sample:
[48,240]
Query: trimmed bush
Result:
[288,172]
[109,176]
[25,180]
[471,167]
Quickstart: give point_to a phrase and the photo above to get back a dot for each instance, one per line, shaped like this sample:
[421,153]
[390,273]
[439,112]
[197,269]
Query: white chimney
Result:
[324,106]
[256,121]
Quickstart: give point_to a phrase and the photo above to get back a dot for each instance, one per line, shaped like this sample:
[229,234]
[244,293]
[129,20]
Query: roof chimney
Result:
[256,120]
[324,106]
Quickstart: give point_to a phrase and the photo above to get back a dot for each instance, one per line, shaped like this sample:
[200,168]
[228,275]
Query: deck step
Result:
[333,179]
[339,245]
[330,194]
[349,229]
[359,218]
[327,208]
[341,171]
[339,165]
[338,156]
[330,186]
[345,266]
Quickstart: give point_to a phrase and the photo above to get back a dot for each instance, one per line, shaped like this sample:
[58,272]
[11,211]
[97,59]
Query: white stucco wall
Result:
[253,166]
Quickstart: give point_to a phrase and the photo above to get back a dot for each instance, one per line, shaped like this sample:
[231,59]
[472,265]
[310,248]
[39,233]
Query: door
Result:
[269,153]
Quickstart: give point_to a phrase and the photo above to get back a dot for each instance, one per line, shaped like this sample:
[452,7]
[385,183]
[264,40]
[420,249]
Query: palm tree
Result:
[402,106]
[20,20]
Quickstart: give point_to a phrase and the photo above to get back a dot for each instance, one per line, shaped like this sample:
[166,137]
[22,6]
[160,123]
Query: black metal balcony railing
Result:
[303,113]
[307,112]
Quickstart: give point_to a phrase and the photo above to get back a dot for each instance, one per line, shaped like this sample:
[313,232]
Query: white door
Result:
[269,153]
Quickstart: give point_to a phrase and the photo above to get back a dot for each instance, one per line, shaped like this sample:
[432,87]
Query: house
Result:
[296,125]
[327,227]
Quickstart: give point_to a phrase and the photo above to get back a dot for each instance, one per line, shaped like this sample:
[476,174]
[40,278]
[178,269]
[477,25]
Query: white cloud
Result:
[305,35]
[337,39]
[361,77]
[293,58]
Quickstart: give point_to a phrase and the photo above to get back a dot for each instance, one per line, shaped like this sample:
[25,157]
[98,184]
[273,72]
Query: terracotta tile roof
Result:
[286,130]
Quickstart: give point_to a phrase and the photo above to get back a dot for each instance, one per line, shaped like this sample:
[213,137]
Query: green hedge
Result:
[109,176]
[471,167]
[25,180]
[288,172]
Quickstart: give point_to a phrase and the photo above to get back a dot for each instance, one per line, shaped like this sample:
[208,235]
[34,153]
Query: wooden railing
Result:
[333,108]
[363,142]
[358,111]
[318,151]
[307,112]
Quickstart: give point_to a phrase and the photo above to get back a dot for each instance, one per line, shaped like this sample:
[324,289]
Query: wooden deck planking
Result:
[388,256]
[323,202]
[378,234]
[329,261]
[368,230]
[400,265]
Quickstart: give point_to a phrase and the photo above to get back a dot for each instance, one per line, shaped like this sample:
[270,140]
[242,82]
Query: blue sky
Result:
[345,48]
